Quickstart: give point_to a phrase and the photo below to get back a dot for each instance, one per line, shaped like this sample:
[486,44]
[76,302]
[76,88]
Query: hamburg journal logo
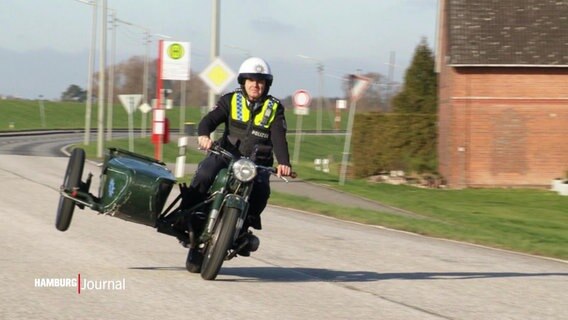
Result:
[81,284]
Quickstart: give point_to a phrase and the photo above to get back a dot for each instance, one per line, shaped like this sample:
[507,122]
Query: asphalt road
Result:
[308,267]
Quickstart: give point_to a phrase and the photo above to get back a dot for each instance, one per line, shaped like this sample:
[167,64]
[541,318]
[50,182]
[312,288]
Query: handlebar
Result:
[274,170]
[217,149]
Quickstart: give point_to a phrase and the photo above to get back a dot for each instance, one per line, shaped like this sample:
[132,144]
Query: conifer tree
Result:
[419,92]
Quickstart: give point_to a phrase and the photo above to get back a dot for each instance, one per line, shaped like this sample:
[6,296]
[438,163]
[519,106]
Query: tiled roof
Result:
[508,32]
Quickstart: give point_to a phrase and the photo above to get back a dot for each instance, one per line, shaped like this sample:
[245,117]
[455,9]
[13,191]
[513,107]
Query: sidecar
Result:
[132,187]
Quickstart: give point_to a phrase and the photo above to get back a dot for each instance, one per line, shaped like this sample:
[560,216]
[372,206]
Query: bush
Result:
[387,141]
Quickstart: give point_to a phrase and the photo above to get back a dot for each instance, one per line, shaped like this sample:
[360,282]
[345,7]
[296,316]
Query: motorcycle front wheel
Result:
[220,243]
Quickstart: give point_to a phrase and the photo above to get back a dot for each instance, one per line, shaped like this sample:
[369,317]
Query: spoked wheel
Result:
[71,181]
[221,241]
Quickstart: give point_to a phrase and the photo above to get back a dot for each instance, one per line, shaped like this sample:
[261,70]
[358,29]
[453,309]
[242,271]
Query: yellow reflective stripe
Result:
[260,115]
[269,103]
[274,106]
[239,109]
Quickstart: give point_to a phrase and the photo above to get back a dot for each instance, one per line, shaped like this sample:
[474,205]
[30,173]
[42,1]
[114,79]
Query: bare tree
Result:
[129,79]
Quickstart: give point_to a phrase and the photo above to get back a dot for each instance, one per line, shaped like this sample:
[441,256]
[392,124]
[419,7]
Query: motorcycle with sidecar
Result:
[135,188]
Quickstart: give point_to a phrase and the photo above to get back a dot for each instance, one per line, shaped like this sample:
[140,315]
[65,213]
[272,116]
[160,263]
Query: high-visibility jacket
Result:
[249,124]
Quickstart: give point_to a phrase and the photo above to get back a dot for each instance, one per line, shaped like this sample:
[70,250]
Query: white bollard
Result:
[180,160]
[325,165]
[317,164]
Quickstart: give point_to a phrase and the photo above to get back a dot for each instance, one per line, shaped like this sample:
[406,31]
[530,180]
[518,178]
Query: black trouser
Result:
[205,175]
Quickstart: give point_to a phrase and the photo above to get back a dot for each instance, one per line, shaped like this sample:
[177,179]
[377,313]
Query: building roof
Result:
[507,32]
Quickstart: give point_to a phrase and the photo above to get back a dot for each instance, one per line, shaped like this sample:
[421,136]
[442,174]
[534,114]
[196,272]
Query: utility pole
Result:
[147,43]
[320,69]
[41,111]
[146,59]
[110,105]
[320,98]
[357,85]
[91,68]
[101,93]
[390,79]
[214,50]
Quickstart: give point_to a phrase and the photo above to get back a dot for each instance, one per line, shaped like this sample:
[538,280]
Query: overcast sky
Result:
[44,44]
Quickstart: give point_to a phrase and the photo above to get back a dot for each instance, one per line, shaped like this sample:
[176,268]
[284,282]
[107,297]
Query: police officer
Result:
[253,119]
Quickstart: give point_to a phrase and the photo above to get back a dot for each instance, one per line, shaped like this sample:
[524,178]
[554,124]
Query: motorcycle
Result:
[135,188]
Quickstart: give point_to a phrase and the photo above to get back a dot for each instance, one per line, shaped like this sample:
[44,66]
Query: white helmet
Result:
[255,68]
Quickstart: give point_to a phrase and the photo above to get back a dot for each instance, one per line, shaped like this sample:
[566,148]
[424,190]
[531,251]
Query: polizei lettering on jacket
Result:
[259,134]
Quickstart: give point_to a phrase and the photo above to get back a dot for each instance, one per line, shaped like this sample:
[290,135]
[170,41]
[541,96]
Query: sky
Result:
[45,44]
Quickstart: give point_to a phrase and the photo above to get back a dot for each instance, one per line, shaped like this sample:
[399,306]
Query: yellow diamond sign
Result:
[217,75]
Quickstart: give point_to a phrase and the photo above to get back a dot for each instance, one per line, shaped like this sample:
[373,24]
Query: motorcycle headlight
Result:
[244,170]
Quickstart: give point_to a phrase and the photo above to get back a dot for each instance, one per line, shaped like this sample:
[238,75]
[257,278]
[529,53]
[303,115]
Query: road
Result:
[308,267]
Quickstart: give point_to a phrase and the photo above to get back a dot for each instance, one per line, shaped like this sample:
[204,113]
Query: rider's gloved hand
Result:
[204,142]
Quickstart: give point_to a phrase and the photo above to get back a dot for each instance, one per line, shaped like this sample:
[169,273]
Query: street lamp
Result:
[319,68]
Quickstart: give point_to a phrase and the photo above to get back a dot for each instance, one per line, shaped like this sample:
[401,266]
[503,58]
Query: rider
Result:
[253,121]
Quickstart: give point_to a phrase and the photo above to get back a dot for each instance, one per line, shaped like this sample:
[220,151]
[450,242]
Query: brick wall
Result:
[503,126]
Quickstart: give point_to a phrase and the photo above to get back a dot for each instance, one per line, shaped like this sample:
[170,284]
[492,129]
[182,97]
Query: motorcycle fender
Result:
[234,201]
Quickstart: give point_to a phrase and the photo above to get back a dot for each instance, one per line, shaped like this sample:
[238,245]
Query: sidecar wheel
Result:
[72,180]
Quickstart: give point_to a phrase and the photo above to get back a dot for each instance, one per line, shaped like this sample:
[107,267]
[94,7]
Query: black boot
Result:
[190,196]
[194,260]
[252,244]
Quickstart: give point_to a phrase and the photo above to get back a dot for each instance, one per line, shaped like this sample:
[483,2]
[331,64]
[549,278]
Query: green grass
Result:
[531,221]
[524,220]
[25,115]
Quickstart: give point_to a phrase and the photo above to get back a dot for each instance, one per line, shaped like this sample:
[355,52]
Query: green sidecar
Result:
[133,187]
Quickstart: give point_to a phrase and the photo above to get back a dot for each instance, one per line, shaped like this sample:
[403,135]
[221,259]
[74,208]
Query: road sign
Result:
[217,75]
[144,108]
[301,98]
[302,111]
[175,60]
[341,104]
[359,86]
[130,101]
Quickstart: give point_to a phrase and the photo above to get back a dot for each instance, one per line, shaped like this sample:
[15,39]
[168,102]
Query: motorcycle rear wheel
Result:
[221,242]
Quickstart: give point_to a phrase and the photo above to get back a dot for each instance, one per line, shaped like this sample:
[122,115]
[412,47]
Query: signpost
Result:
[144,108]
[217,75]
[339,105]
[173,64]
[358,86]
[130,102]
[301,100]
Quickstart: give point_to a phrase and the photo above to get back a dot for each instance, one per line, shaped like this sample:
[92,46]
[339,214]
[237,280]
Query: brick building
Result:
[503,92]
